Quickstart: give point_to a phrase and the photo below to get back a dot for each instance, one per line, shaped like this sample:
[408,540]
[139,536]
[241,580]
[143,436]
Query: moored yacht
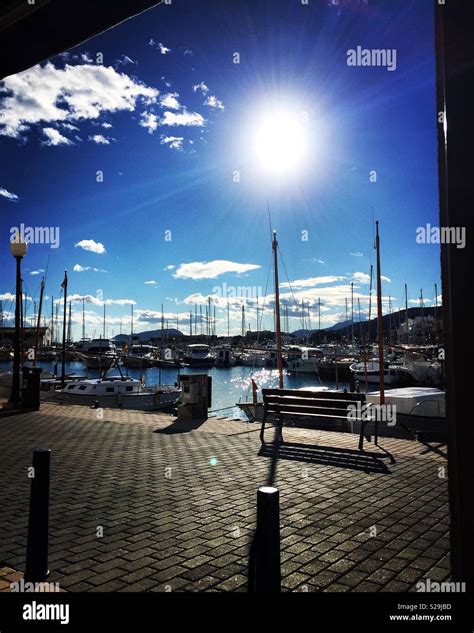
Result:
[120,392]
[141,356]
[198,355]
[99,354]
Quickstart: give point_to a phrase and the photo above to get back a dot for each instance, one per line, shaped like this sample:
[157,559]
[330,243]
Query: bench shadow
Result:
[326,455]
[181,426]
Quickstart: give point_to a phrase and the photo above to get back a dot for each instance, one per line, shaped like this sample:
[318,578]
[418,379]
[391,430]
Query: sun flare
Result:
[280,142]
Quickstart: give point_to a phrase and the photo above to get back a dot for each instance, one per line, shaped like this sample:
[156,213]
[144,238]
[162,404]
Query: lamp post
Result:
[18,249]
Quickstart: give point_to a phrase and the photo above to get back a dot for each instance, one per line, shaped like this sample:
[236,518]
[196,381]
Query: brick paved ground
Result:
[348,522]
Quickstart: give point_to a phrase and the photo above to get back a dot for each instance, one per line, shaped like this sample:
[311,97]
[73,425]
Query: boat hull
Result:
[139,402]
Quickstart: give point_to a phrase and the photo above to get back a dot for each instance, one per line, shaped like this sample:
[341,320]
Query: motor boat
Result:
[224,356]
[371,369]
[141,357]
[198,355]
[119,392]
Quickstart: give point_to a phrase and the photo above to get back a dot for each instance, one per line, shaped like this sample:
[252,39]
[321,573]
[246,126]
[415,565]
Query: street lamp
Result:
[18,249]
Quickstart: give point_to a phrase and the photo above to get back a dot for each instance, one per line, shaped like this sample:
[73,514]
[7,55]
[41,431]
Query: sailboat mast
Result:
[379,317]
[370,302]
[436,313]
[407,331]
[228,319]
[352,312]
[84,321]
[277,312]
[38,323]
[63,370]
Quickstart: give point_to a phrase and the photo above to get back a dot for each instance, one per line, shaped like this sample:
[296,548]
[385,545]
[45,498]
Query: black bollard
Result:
[37,543]
[267,554]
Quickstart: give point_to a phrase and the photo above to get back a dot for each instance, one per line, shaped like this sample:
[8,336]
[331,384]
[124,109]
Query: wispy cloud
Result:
[8,195]
[357,254]
[213,102]
[54,137]
[37,272]
[364,278]
[100,139]
[173,142]
[211,270]
[84,269]
[151,282]
[93,300]
[91,245]
[182,118]
[164,50]
[201,87]
[149,120]
[312,281]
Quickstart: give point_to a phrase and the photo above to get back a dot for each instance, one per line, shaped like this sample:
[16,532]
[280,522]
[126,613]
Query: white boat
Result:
[303,360]
[258,358]
[141,357]
[120,392]
[419,410]
[225,356]
[426,402]
[99,354]
[372,369]
[198,355]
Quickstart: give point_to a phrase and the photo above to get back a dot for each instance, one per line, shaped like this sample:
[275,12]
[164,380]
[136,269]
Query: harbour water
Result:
[229,385]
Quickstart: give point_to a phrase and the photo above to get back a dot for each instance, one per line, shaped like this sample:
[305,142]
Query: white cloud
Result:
[46,94]
[357,254]
[312,281]
[54,137]
[149,121]
[83,269]
[169,267]
[201,88]
[96,301]
[182,118]
[214,102]
[37,272]
[106,125]
[173,142]
[100,139]
[163,49]
[8,195]
[124,60]
[211,270]
[170,101]
[151,282]
[364,278]
[91,245]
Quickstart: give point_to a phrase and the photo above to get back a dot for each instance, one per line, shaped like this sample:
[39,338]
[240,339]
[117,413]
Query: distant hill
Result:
[148,335]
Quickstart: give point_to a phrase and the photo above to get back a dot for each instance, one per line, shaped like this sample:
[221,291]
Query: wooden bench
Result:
[327,406]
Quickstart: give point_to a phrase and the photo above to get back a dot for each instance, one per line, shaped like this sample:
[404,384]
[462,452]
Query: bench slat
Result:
[285,410]
[275,401]
[315,395]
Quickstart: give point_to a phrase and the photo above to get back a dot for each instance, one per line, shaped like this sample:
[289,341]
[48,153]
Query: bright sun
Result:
[280,142]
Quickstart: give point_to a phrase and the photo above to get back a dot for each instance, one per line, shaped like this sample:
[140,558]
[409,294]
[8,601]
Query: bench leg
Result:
[280,431]
[262,430]
[362,435]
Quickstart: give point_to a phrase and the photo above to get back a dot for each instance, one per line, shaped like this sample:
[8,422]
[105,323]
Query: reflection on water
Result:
[228,385]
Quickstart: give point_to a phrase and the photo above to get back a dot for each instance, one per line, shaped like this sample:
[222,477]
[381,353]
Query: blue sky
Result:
[174,127]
